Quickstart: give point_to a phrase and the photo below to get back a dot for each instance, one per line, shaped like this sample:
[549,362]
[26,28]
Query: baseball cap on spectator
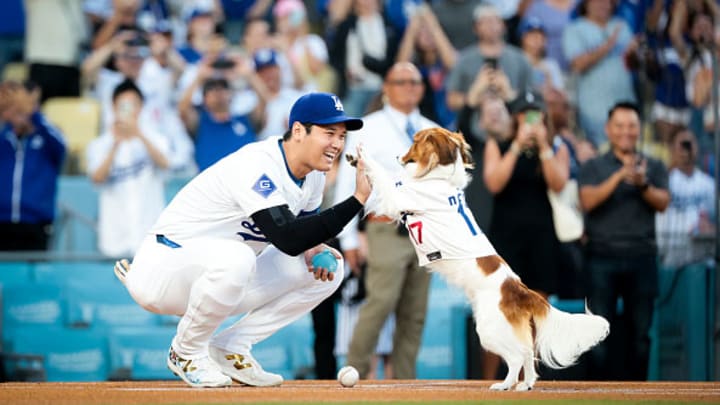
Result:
[264,57]
[531,24]
[528,100]
[215,83]
[162,27]
[322,109]
[198,12]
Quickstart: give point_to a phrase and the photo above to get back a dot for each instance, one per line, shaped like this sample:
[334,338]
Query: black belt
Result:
[163,240]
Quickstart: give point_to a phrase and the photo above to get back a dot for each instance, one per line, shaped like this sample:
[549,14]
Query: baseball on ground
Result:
[348,376]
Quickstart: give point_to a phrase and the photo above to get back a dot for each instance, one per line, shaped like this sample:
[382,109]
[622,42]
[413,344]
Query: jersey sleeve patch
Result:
[264,186]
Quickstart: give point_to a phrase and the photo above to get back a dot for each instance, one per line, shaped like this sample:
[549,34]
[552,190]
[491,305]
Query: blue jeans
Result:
[635,280]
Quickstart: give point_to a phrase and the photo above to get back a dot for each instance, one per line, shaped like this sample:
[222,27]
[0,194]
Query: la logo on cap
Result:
[338,104]
[529,97]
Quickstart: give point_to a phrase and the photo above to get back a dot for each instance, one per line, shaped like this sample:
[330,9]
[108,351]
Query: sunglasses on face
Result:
[405,82]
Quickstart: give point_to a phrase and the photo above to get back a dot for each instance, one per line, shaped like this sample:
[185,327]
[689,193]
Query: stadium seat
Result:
[30,304]
[100,305]
[16,71]
[139,353]
[94,273]
[15,272]
[79,120]
[77,213]
[67,354]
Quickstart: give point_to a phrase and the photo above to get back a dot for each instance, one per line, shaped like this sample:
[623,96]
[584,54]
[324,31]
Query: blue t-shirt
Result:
[215,140]
[12,18]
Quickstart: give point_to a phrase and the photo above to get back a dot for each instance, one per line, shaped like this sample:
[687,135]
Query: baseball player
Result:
[230,243]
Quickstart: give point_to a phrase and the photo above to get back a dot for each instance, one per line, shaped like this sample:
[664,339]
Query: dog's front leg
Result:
[514,364]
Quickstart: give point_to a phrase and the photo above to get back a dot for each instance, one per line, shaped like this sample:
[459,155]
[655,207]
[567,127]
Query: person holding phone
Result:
[491,60]
[518,170]
[682,230]
[216,128]
[126,164]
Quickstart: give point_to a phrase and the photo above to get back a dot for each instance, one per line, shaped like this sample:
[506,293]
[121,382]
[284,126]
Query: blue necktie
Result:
[410,129]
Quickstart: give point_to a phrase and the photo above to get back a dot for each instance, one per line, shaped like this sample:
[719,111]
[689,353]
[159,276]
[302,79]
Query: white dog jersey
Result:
[221,199]
[444,228]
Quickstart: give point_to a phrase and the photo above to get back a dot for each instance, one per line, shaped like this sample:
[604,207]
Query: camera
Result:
[137,41]
[223,63]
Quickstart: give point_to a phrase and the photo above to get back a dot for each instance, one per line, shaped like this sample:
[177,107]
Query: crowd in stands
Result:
[183,83]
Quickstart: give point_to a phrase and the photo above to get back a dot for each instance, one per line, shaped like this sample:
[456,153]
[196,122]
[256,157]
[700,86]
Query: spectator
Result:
[570,258]
[201,30]
[256,37]
[663,65]
[621,191]
[595,45]
[123,17]
[362,49]
[694,45]
[455,17]
[394,281]
[426,45]
[307,52]
[518,170]
[126,163]
[492,52]
[12,32]
[555,16]
[547,74]
[239,13]
[275,102]
[125,53]
[31,156]
[691,213]
[216,128]
[352,298]
[55,31]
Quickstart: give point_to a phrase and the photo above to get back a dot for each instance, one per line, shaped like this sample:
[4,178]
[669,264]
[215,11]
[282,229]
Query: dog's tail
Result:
[562,337]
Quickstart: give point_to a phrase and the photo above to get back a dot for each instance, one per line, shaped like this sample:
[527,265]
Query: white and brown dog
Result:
[511,320]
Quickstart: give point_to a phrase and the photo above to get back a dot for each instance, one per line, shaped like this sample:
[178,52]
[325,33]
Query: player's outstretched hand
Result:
[362,183]
[320,273]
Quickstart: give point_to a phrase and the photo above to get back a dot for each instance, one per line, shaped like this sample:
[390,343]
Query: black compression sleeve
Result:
[295,235]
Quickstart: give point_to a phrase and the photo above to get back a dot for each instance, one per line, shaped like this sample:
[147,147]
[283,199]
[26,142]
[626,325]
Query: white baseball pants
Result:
[206,280]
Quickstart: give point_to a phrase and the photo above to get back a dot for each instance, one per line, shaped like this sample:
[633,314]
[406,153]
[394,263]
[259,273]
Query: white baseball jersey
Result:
[445,228]
[221,199]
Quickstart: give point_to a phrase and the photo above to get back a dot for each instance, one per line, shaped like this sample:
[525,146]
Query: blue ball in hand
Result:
[325,260]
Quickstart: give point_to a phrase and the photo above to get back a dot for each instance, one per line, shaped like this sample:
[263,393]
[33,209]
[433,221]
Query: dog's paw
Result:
[523,386]
[501,386]
[352,159]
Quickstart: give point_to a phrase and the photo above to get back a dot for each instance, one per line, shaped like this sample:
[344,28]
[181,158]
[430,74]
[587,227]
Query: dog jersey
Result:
[219,201]
[444,228]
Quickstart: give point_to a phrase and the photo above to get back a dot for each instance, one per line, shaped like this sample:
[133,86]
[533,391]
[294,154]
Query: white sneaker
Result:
[198,373]
[122,268]
[244,369]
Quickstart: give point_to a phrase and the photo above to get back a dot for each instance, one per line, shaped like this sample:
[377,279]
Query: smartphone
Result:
[686,145]
[125,111]
[492,63]
[532,117]
[223,63]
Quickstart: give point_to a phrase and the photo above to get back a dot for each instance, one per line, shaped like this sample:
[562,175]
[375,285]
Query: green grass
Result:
[491,402]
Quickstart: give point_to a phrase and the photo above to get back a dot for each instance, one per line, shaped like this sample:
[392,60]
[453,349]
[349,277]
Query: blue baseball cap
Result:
[322,109]
[531,23]
[264,57]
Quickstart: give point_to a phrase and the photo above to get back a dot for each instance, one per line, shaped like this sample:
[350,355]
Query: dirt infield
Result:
[176,392]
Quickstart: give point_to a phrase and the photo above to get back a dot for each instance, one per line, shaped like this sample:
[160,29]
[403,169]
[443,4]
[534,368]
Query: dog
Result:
[512,321]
